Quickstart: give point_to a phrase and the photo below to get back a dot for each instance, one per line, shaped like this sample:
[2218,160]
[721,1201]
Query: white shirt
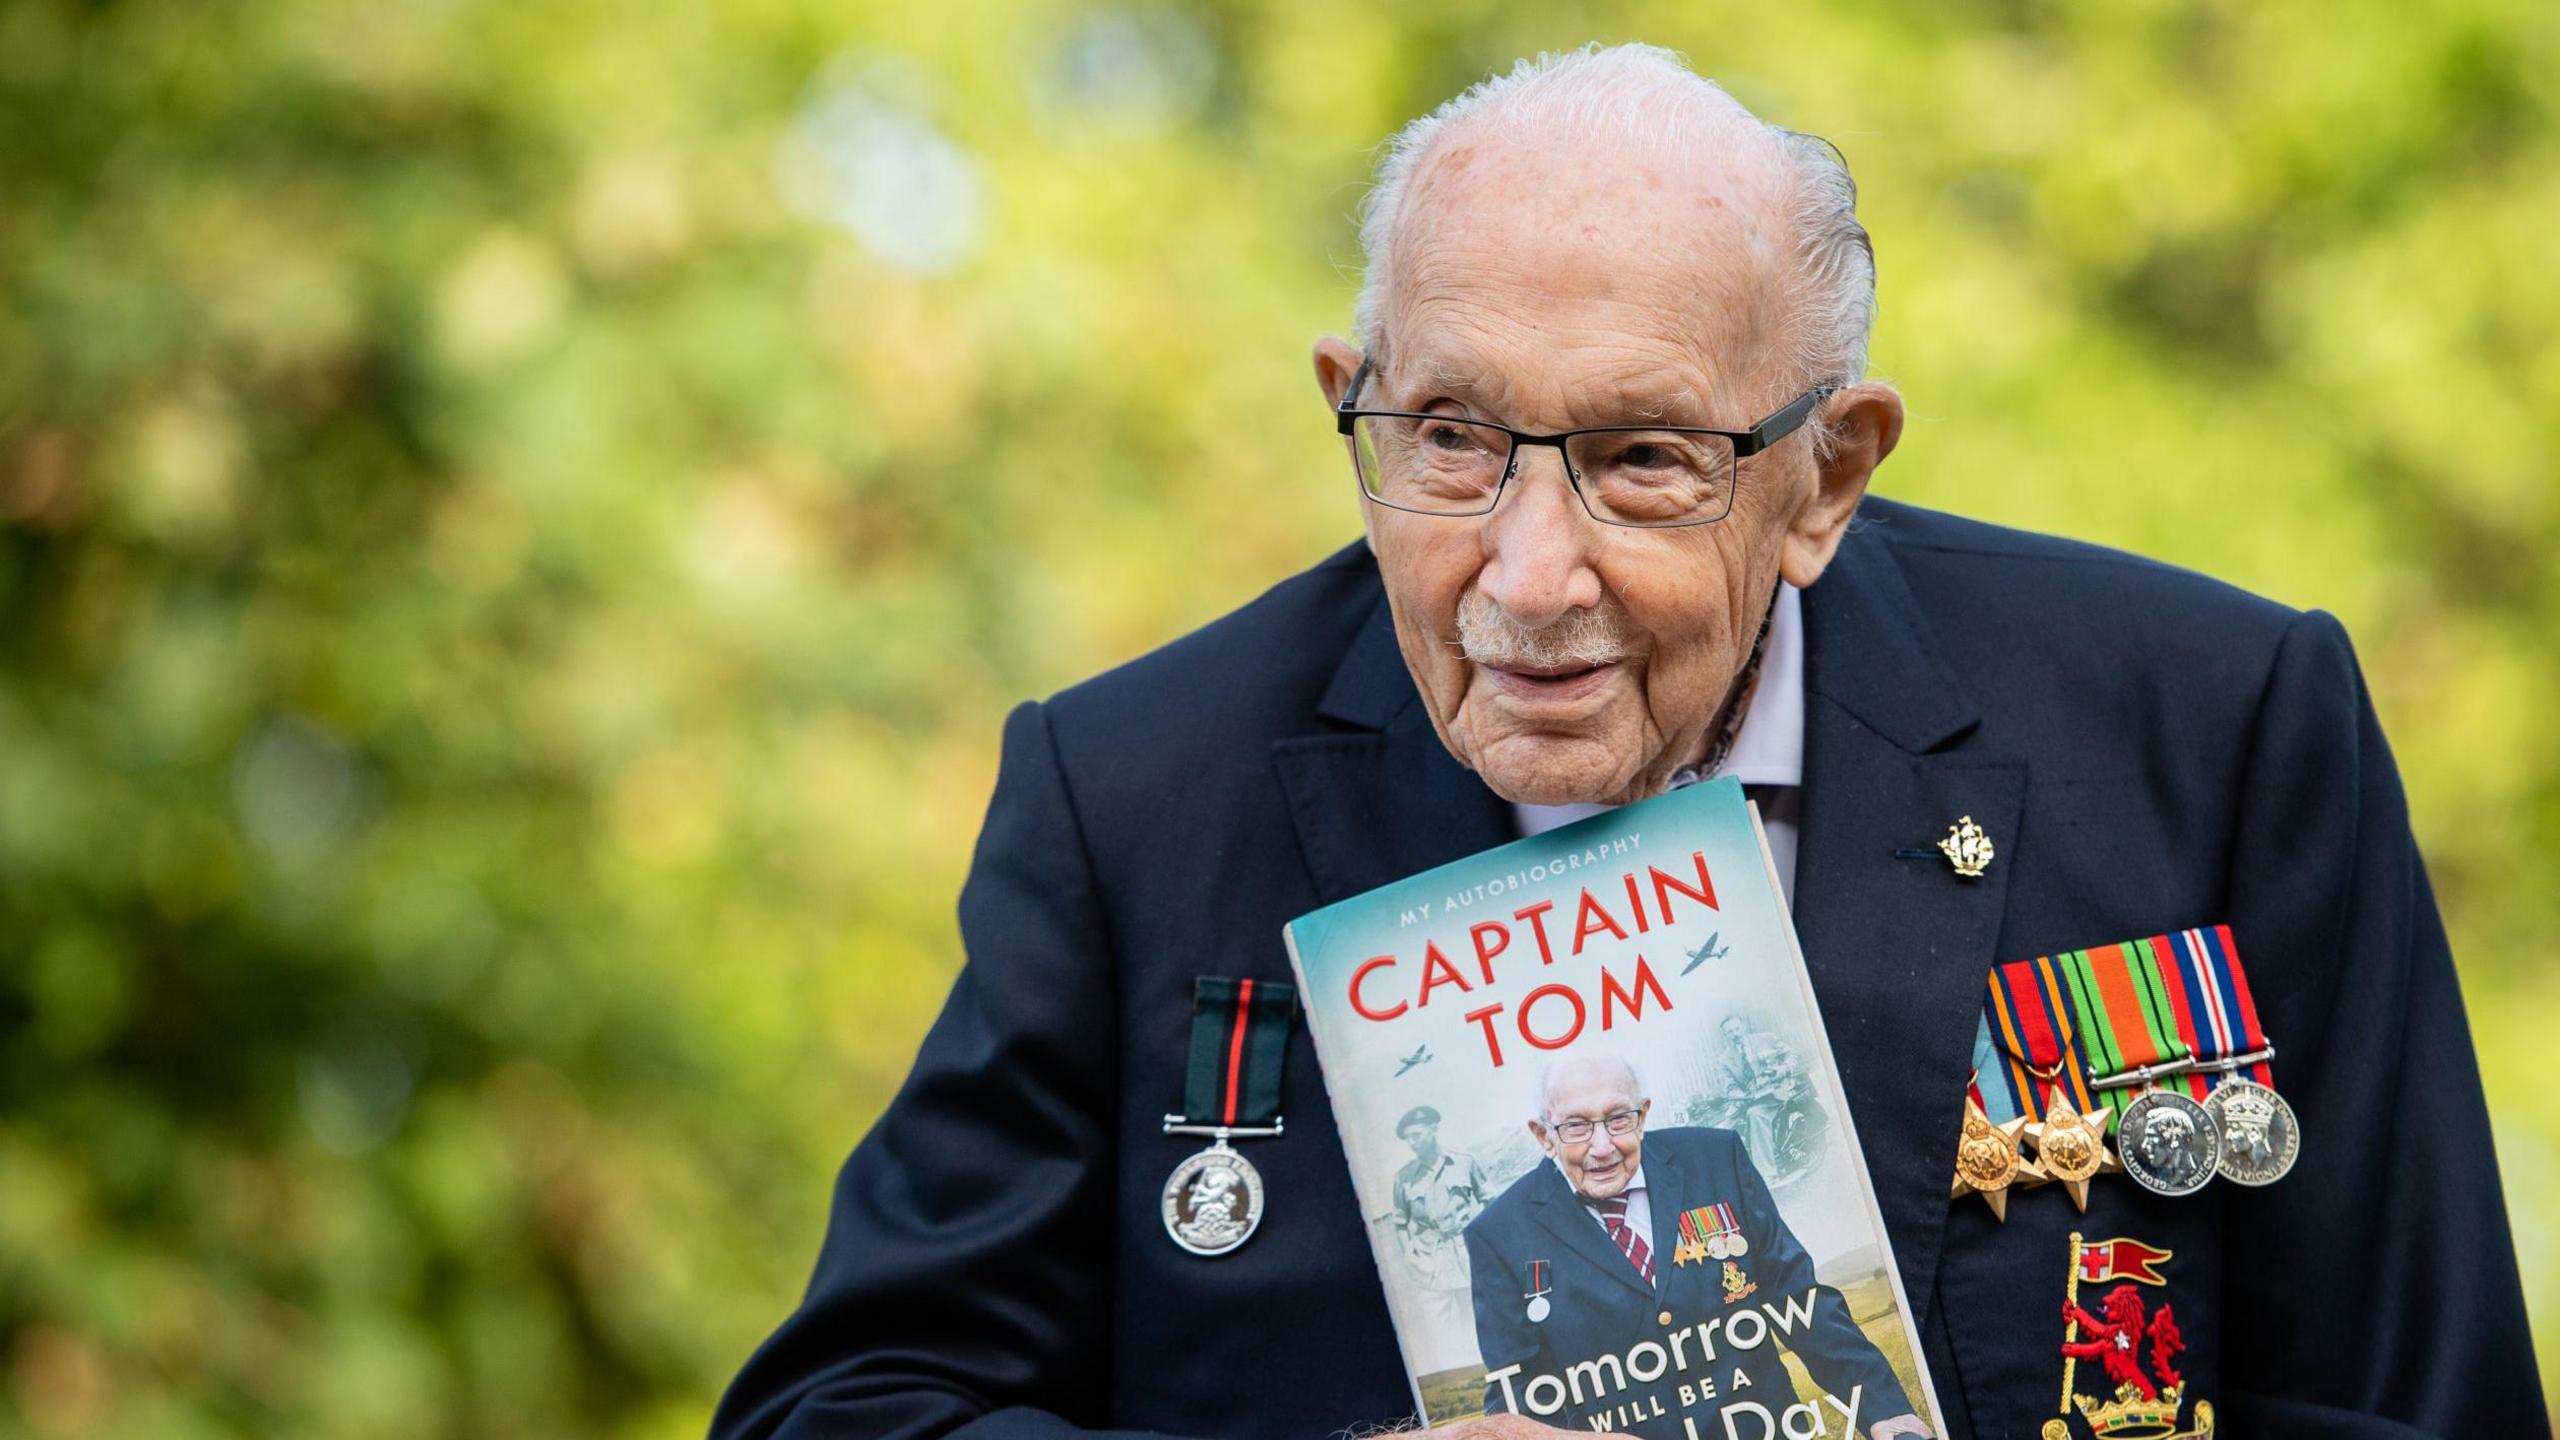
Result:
[1767,756]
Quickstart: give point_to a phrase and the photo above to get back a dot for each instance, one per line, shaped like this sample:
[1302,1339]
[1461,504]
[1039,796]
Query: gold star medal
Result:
[2073,1146]
[1988,1161]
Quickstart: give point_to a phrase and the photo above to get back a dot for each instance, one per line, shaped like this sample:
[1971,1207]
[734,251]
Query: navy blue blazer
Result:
[2149,750]
[1599,1306]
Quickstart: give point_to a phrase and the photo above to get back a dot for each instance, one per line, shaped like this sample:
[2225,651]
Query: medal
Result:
[2163,1034]
[1212,1202]
[1988,1161]
[2169,1143]
[1538,1292]
[1710,1232]
[2259,1135]
[2071,1146]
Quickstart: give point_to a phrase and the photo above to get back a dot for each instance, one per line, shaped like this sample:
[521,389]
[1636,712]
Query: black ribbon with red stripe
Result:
[1239,1041]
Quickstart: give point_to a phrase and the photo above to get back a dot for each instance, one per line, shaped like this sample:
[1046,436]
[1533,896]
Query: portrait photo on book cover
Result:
[1658,1228]
[1660,1282]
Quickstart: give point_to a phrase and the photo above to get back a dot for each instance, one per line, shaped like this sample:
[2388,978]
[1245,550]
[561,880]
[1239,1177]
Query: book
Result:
[1610,1179]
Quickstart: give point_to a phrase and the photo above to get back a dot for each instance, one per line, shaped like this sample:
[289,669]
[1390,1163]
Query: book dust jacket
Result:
[1607,1169]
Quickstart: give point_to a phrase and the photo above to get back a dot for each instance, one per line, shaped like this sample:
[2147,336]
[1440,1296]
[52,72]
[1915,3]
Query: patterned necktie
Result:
[1613,1213]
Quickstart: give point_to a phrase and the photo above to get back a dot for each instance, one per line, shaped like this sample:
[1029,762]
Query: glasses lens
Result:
[1573,1132]
[1435,465]
[1654,477]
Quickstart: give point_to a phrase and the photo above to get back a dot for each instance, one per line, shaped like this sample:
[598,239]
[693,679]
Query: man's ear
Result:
[1866,423]
[1539,1133]
[1336,362]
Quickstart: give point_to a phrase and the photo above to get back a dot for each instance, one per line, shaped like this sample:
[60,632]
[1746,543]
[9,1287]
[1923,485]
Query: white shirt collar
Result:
[1768,750]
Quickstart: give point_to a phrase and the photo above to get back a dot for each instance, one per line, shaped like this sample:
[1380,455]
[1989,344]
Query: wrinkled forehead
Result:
[1536,275]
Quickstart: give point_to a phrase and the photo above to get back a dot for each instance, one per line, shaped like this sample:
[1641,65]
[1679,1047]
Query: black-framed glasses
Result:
[1620,1123]
[1647,476]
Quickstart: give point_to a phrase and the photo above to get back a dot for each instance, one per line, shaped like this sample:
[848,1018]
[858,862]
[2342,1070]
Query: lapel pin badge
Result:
[1967,848]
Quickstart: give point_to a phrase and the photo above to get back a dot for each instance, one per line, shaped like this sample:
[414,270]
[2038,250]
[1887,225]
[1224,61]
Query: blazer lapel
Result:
[1378,797]
[1898,947]
[1661,1179]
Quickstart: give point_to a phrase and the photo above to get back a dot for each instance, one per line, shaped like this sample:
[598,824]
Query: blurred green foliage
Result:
[519,523]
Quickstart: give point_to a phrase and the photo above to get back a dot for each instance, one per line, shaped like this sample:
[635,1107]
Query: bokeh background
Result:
[519,522]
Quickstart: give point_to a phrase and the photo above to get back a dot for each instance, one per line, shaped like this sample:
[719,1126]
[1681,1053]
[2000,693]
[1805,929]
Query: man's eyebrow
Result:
[1441,375]
[1678,405]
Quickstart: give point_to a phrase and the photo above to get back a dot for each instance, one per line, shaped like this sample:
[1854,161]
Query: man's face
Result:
[1601,1166]
[1424,1139]
[1732,1028]
[1552,291]
[2165,1138]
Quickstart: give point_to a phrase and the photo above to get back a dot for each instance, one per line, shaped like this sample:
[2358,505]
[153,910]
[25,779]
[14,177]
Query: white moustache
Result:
[1488,635]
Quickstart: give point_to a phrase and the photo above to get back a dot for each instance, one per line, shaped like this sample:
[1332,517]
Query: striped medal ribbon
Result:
[2235,1061]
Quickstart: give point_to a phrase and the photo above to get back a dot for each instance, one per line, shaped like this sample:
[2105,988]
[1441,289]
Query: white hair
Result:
[1606,1063]
[1645,96]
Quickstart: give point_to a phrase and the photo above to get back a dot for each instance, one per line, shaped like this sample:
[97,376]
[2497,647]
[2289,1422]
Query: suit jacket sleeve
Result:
[1836,1353]
[2373,1292]
[963,1286]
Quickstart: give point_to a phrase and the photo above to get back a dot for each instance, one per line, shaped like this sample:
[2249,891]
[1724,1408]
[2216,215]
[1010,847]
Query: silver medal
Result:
[2168,1143]
[2260,1137]
[1213,1201]
[1538,1308]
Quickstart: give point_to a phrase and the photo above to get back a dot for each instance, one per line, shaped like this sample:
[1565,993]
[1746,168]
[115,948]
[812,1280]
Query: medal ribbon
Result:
[2023,1047]
[1239,1041]
[2118,994]
[2209,996]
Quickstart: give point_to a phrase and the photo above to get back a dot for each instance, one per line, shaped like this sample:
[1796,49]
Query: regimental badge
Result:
[2134,1347]
[1967,848]
[1737,1285]
[1213,1201]
[1709,1232]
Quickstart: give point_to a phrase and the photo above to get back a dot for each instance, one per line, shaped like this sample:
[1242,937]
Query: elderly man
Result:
[1609,416]
[1597,1209]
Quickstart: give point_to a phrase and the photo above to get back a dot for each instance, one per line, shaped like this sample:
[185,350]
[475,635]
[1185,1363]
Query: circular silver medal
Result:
[2168,1143]
[1537,1308]
[2259,1135]
[1212,1201]
[1718,1247]
[1737,1246]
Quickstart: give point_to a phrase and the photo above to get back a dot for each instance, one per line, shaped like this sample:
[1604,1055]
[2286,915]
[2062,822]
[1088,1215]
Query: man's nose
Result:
[1537,542]
[1602,1147]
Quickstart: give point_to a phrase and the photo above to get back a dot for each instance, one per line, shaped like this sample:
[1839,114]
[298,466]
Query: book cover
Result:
[1590,1110]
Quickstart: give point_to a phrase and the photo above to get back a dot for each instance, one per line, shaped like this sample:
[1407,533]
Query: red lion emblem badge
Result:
[2133,1345]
